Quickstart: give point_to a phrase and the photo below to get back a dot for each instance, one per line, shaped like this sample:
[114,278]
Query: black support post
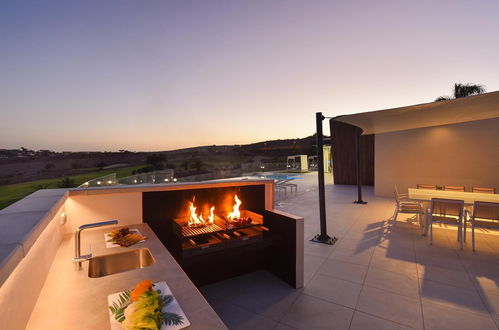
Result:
[323,236]
[359,177]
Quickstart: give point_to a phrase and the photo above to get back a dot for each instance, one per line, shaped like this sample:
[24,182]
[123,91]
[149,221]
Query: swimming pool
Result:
[275,176]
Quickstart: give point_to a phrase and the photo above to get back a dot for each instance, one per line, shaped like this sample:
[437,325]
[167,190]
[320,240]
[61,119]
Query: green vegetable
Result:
[146,313]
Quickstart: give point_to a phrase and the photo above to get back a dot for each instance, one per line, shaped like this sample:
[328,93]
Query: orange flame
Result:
[198,220]
[211,217]
[194,219]
[235,214]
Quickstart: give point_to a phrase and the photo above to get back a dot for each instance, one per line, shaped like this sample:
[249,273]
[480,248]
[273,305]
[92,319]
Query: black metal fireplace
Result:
[217,232]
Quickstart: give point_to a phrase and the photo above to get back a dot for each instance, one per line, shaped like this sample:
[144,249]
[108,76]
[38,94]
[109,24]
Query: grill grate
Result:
[189,231]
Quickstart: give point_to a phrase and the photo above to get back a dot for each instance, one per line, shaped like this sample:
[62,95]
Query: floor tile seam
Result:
[387,291]
[328,301]
[334,277]
[391,291]
[454,286]
[364,281]
[484,301]
[490,294]
[473,284]
[419,263]
[289,307]
[496,321]
[318,267]
[456,269]
[254,312]
[401,258]
[348,262]
[351,319]
[391,271]
[385,319]
[453,306]
[419,290]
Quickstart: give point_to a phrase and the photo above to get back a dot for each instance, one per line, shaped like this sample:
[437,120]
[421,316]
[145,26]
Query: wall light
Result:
[63,218]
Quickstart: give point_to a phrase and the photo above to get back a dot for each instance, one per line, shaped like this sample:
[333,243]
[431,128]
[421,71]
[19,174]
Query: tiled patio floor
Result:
[379,275]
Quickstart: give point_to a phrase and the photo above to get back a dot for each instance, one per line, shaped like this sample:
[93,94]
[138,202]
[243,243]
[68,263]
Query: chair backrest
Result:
[486,210]
[484,190]
[454,188]
[397,197]
[427,186]
[442,206]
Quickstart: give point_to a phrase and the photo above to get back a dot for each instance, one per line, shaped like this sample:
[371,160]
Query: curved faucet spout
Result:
[78,257]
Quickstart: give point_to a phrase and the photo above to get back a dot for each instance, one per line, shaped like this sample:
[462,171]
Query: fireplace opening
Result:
[224,229]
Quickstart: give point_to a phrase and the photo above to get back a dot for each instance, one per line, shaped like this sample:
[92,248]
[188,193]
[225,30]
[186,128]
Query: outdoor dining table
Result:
[425,196]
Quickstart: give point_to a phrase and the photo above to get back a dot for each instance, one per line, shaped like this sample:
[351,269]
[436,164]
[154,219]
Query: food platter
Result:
[171,309]
[111,244]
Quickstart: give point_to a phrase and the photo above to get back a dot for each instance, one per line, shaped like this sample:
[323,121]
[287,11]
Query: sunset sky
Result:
[160,75]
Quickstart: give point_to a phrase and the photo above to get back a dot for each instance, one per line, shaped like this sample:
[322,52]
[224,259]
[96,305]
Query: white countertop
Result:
[71,300]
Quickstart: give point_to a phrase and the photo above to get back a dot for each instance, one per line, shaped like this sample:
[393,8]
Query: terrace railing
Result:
[163,176]
[106,180]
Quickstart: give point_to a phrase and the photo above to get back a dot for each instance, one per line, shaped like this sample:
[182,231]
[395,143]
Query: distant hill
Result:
[21,165]
[274,148]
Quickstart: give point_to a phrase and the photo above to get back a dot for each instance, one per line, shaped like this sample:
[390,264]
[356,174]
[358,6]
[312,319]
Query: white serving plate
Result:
[173,307]
[107,237]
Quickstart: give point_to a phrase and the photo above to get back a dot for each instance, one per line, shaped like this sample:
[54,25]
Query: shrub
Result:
[40,186]
[66,183]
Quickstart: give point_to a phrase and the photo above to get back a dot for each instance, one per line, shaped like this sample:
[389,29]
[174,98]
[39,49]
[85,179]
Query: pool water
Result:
[276,176]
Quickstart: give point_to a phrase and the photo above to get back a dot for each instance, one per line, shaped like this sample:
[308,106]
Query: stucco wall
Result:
[459,154]
[82,209]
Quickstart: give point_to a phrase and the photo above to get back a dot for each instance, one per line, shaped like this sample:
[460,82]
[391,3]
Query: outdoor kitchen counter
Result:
[71,300]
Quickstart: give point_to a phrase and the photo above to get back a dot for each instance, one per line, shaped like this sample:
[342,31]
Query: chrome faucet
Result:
[78,257]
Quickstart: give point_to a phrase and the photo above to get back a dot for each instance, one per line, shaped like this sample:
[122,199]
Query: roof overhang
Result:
[471,108]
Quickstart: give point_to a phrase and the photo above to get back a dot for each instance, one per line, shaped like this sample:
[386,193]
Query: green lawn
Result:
[14,192]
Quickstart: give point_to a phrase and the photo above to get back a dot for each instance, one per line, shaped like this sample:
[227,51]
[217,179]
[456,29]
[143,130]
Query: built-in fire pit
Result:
[207,229]
[225,229]
[196,223]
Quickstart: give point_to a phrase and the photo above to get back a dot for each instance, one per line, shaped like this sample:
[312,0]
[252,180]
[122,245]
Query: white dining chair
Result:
[449,211]
[454,188]
[403,205]
[484,190]
[484,215]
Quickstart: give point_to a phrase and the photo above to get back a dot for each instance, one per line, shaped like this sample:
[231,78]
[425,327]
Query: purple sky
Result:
[159,75]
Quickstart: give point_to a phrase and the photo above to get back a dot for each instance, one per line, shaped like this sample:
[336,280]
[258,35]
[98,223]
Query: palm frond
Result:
[442,98]
[172,318]
[165,299]
[118,307]
[463,90]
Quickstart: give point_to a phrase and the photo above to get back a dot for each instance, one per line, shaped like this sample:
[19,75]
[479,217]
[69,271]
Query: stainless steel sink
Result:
[120,262]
